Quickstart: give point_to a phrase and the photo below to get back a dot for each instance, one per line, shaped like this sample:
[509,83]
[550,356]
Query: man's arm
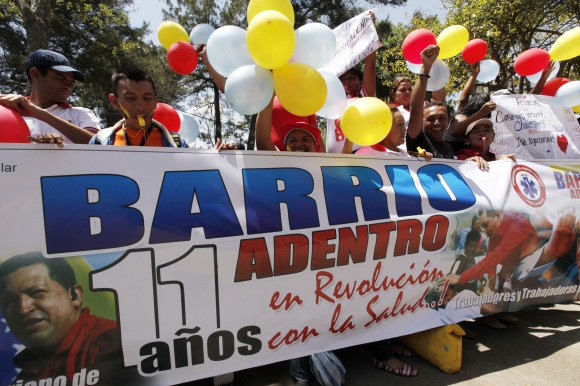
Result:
[219,80]
[543,78]
[428,56]
[512,239]
[370,75]
[26,108]
[469,86]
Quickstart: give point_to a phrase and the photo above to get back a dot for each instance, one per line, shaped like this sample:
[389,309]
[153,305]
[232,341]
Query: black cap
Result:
[54,60]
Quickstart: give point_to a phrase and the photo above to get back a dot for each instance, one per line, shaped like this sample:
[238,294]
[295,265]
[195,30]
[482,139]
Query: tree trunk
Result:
[251,134]
[36,20]
[218,120]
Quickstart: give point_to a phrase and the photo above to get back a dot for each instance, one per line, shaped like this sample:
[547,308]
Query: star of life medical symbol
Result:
[528,185]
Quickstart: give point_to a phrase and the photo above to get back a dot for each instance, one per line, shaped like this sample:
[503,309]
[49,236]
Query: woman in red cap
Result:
[297,136]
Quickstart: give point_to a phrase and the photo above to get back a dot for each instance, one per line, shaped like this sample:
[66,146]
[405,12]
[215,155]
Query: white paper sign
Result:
[355,40]
[534,127]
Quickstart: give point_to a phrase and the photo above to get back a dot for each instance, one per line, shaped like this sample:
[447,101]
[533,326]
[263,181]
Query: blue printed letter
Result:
[266,189]
[342,184]
[174,219]
[439,198]
[83,213]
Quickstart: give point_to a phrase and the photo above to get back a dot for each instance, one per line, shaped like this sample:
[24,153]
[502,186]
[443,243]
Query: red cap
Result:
[314,131]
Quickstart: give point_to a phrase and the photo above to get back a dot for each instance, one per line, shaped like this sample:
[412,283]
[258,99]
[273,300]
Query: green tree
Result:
[390,61]
[511,27]
[94,34]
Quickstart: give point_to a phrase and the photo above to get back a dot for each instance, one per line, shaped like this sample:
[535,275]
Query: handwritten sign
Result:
[355,40]
[535,127]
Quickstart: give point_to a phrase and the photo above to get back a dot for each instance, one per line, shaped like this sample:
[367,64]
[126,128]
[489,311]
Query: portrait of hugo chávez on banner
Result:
[42,304]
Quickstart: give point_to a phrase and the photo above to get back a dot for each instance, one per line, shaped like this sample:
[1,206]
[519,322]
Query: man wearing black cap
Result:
[47,110]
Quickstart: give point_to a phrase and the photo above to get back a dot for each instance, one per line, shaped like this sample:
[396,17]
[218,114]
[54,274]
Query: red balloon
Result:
[13,128]
[531,61]
[168,116]
[553,85]
[474,51]
[182,58]
[415,42]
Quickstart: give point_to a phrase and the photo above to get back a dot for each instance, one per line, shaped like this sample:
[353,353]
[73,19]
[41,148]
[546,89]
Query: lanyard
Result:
[143,140]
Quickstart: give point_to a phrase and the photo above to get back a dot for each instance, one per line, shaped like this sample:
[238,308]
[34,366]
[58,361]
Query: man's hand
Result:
[452,278]
[49,138]
[219,145]
[474,70]
[487,108]
[19,103]
[482,164]
[429,56]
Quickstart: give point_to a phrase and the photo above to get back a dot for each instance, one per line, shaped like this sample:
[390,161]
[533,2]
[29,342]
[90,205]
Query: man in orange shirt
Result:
[135,97]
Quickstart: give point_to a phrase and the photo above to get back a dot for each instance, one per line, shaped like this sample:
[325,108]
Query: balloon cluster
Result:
[452,41]
[532,62]
[271,56]
[181,55]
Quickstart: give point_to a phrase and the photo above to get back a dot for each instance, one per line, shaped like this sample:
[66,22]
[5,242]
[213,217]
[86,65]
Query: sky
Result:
[150,11]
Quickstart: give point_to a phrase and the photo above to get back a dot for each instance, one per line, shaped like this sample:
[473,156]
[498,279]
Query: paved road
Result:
[542,348]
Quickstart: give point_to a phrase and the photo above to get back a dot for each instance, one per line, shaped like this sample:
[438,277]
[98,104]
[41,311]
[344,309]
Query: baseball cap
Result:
[482,121]
[314,131]
[54,60]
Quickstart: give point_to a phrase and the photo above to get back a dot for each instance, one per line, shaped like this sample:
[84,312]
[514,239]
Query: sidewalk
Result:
[542,348]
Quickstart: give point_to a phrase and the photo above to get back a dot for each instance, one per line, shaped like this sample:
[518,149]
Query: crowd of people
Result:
[421,128]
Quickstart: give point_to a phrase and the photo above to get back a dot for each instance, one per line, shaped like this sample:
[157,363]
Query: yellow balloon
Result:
[300,88]
[452,40]
[282,6]
[270,39]
[566,46]
[366,121]
[170,32]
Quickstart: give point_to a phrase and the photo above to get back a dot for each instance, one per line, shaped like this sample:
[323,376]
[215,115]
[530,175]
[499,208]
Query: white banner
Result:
[355,40]
[209,263]
[534,127]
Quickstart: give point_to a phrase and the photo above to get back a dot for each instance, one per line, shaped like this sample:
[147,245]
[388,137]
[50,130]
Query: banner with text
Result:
[189,264]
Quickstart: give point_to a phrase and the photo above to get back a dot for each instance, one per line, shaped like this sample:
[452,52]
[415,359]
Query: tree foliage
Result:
[511,27]
[95,35]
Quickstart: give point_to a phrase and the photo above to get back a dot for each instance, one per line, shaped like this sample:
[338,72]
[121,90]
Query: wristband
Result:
[425,75]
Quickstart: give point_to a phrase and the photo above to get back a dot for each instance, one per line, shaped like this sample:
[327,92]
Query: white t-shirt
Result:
[78,116]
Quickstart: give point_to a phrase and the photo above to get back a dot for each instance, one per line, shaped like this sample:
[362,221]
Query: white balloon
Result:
[189,129]
[488,70]
[315,45]
[200,34]
[227,49]
[335,98]
[569,94]
[536,77]
[439,76]
[414,68]
[249,89]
